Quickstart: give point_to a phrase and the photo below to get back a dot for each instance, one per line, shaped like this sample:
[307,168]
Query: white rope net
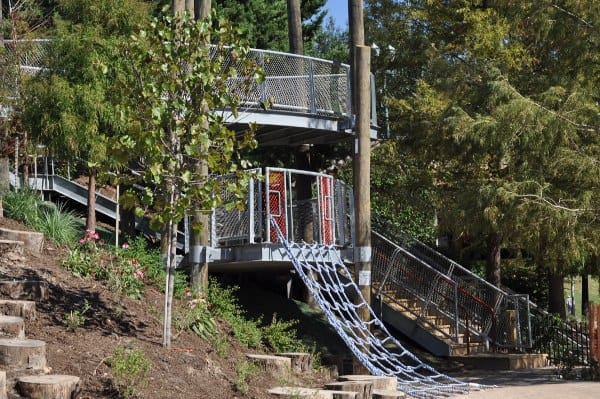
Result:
[331,284]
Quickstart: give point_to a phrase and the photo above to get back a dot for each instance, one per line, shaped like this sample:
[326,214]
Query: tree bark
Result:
[200,238]
[585,293]
[556,303]
[90,223]
[177,6]
[202,9]
[492,269]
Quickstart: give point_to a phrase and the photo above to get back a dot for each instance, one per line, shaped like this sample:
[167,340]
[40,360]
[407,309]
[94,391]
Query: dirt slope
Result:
[190,369]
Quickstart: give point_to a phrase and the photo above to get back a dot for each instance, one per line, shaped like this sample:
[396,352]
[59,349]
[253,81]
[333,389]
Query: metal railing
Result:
[321,217]
[293,83]
[472,303]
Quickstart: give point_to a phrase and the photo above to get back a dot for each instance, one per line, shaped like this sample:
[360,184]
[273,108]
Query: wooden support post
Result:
[362,180]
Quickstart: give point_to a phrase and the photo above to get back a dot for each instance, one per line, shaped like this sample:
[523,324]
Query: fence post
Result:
[456,322]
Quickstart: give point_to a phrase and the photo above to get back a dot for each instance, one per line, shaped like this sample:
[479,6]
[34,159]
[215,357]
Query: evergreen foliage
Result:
[497,102]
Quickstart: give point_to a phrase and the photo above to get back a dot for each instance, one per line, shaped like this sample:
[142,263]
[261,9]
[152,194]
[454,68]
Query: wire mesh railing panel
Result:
[293,83]
[343,211]
[231,224]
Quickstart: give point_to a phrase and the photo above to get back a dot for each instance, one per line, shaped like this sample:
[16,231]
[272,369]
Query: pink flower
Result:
[139,274]
[125,245]
[188,293]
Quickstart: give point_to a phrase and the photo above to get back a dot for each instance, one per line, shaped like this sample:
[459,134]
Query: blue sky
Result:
[338,9]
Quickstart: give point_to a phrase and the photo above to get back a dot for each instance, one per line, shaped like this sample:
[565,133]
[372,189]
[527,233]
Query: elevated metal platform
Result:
[303,100]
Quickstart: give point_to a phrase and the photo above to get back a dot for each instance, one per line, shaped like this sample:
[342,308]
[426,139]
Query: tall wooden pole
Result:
[295,27]
[200,239]
[361,64]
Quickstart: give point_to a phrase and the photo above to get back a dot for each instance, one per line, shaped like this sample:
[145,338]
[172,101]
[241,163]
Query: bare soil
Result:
[191,368]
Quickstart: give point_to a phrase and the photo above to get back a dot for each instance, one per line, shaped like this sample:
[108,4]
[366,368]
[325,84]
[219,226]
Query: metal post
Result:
[456,321]
[311,87]
[250,211]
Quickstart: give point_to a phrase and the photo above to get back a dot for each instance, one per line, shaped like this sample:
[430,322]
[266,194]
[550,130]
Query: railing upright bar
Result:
[311,83]
[250,210]
[456,318]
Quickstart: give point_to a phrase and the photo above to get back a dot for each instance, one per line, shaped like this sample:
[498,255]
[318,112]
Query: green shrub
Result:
[196,317]
[22,205]
[130,368]
[76,318]
[247,331]
[281,336]
[83,263]
[58,224]
[222,300]
[244,371]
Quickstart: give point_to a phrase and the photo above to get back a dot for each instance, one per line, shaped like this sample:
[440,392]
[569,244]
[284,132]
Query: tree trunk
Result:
[202,9]
[200,238]
[4,181]
[585,293]
[557,296]
[177,6]
[90,223]
[492,267]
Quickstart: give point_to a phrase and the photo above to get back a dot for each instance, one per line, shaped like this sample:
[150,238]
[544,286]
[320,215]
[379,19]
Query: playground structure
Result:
[436,302]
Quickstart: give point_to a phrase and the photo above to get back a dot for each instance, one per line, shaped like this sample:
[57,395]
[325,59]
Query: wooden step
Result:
[12,327]
[387,394]
[363,389]
[11,251]
[32,240]
[20,354]
[295,392]
[50,386]
[378,381]
[301,361]
[274,365]
[33,290]
[24,309]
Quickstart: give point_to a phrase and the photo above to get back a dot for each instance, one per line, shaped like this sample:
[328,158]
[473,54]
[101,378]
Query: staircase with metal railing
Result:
[458,312]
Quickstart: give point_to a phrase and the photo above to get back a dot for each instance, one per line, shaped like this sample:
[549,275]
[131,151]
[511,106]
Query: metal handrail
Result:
[293,83]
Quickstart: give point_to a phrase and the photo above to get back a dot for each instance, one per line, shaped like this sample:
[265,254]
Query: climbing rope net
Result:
[330,283]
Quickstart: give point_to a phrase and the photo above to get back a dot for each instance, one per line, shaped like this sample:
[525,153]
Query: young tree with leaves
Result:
[173,89]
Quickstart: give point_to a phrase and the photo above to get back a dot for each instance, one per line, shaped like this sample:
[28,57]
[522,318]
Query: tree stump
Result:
[3,394]
[12,327]
[24,309]
[48,386]
[32,240]
[363,389]
[339,394]
[295,392]
[274,365]
[387,394]
[378,381]
[301,362]
[34,290]
[20,354]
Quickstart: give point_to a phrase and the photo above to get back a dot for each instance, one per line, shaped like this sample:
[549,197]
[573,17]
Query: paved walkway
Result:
[527,384]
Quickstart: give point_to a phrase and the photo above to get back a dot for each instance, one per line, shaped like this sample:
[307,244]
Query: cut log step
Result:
[33,290]
[295,392]
[387,394]
[51,386]
[12,327]
[31,240]
[20,354]
[378,381]
[363,389]
[3,394]
[301,362]
[275,365]
[11,251]
[24,309]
